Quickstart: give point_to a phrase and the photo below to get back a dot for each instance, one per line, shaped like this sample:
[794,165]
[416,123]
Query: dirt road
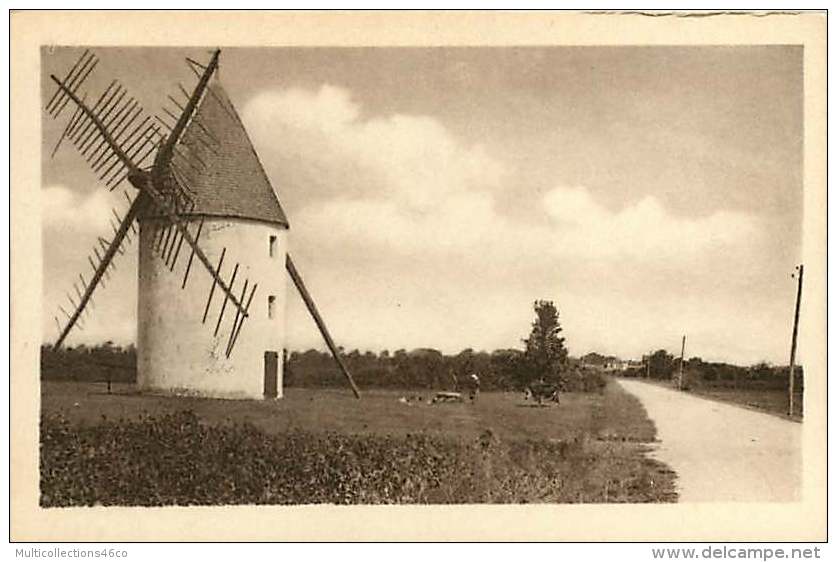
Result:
[722,452]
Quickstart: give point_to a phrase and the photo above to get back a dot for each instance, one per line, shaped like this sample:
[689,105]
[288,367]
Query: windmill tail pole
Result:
[312,308]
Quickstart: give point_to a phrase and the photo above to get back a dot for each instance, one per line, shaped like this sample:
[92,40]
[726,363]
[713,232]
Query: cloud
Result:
[642,231]
[468,225]
[404,221]
[64,208]
[406,184]
[72,221]
[326,149]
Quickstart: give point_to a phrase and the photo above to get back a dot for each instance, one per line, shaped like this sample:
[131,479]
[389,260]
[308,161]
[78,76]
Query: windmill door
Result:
[271,374]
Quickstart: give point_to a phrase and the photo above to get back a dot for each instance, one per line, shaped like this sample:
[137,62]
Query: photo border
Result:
[799,521]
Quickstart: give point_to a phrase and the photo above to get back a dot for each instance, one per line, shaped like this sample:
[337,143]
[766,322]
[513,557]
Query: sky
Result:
[435,193]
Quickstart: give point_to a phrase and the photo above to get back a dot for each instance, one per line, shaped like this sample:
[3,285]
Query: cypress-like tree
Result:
[546,356]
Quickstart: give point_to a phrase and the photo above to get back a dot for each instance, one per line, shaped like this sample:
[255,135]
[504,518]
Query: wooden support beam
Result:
[312,308]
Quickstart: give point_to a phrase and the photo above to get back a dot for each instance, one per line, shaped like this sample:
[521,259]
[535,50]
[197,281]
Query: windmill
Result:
[212,235]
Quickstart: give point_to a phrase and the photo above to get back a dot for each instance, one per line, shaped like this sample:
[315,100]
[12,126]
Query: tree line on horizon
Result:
[544,357]
[662,365]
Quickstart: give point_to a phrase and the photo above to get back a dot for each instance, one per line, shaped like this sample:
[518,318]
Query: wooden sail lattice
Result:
[117,139]
[95,258]
[164,157]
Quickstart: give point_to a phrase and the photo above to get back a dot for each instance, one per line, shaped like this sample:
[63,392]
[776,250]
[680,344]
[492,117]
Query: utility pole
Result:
[800,268]
[682,351]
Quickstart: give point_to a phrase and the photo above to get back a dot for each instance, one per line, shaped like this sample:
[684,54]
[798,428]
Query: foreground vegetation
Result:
[326,447]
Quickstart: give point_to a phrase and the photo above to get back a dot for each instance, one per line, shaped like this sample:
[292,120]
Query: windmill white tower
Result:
[205,204]
[241,217]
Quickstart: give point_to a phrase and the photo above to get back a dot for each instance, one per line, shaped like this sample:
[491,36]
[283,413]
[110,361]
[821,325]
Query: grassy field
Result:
[590,448]
[771,401]
[324,410]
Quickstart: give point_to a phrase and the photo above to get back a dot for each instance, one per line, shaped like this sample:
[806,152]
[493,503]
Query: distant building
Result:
[614,365]
[607,364]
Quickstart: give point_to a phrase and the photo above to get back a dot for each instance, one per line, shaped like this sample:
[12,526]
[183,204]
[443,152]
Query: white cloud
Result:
[72,222]
[411,160]
[642,231]
[408,215]
[64,208]
[468,224]
[415,187]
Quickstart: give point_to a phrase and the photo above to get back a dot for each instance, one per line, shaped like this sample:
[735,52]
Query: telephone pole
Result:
[682,351]
[801,270]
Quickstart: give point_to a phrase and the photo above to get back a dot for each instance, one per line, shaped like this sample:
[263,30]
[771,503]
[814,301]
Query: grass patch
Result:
[326,447]
[769,400]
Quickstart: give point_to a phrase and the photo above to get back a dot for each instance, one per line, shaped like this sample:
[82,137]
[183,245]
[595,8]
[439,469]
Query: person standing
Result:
[475,386]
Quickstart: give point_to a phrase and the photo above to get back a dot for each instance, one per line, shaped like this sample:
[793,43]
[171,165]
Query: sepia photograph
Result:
[424,274]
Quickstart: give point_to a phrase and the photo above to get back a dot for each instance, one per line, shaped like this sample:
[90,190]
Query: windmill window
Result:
[272,246]
[271,306]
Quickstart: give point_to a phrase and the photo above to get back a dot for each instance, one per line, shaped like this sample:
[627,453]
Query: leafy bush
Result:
[177,460]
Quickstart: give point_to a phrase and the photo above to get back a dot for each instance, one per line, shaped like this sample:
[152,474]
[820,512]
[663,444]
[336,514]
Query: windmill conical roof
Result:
[217,163]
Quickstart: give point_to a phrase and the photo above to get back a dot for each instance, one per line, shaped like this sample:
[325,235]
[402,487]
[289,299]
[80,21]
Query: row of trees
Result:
[419,369]
[544,357]
[103,362]
[662,365]
[502,369]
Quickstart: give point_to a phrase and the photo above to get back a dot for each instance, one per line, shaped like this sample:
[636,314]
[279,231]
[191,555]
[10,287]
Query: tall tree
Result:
[545,356]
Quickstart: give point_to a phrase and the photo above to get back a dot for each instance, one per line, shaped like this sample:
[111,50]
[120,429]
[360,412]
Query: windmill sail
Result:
[104,134]
[103,263]
[204,167]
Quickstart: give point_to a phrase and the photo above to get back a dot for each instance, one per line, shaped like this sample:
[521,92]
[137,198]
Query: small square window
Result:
[271,306]
[272,246]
